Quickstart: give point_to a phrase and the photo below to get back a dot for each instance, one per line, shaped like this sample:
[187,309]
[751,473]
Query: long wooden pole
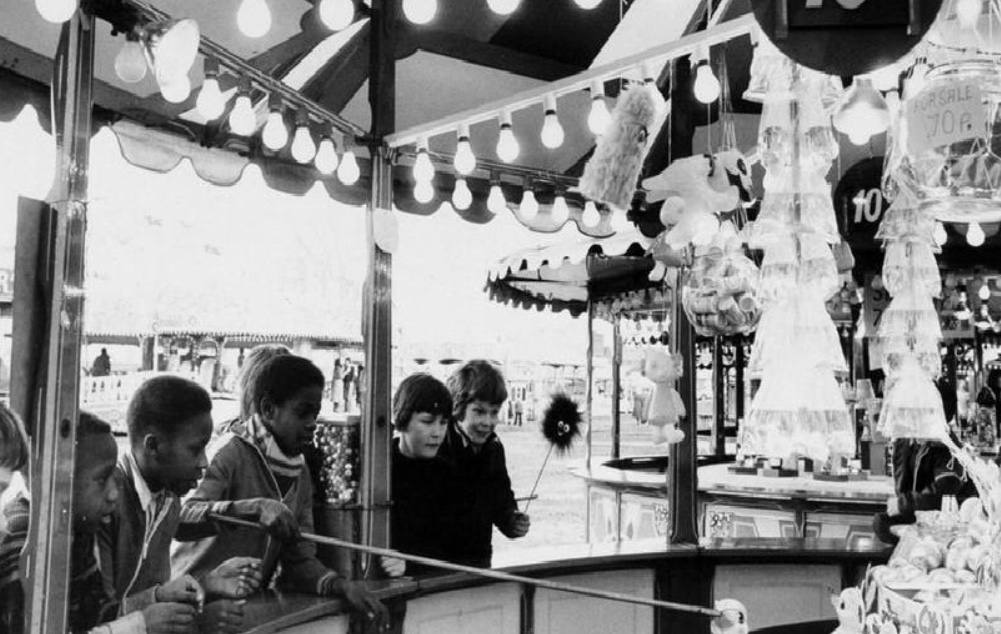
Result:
[485,572]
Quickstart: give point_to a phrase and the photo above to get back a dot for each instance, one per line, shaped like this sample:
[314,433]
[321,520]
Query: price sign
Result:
[948,114]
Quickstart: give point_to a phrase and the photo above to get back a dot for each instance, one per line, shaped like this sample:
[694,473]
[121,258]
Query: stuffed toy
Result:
[666,407]
[733,619]
[694,189]
[850,611]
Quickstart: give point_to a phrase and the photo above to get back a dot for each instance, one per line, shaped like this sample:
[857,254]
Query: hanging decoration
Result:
[665,408]
[720,294]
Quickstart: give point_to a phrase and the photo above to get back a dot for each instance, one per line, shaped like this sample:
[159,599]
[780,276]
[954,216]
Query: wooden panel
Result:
[564,613]
[839,526]
[494,609]
[805,591]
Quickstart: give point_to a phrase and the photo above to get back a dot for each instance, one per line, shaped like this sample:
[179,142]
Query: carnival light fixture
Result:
[503,7]
[275,134]
[326,156]
[599,117]
[975,234]
[423,167]
[552,131]
[303,146]
[591,216]
[706,87]
[56,11]
[348,171]
[864,112]
[462,197]
[507,145]
[496,202]
[420,11]
[242,120]
[210,103]
[423,192]
[337,15]
[254,18]
[529,207]
[560,211]
[940,235]
[464,160]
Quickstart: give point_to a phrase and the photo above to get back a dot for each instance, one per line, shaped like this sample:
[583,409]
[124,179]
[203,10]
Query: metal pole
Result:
[684,455]
[616,384]
[719,398]
[48,566]
[589,394]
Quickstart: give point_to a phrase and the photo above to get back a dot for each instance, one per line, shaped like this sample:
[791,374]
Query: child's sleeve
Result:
[300,568]
[210,496]
[505,507]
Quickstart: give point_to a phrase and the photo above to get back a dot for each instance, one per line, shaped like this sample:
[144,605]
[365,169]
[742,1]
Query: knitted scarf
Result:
[278,461]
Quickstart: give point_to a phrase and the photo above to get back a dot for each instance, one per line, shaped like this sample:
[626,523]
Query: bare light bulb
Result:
[274,134]
[968,13]
[423,167]
[210,102]
[423,192]
[326,156]
[552,131]
[588,4]
[985,291]
[940,235]
[864,113]
[975,234]
[303,146]
[560,211]
[599,117]
[462,197]
[130,62]
[337,15]
[507,145]
[254,18]
[348,171]
[503,7]
[496,202]
[420,11]
[706,87]
[591,217]
[242,120]
[529,207]
[464,160]
[56,11]
[177,89]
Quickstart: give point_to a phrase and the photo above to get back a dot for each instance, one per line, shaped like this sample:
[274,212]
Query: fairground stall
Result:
[593,116]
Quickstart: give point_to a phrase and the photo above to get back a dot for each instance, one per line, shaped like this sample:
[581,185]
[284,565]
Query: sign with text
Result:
[947,114]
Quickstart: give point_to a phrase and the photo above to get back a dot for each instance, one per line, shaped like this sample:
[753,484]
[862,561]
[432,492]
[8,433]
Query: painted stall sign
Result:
[944,115]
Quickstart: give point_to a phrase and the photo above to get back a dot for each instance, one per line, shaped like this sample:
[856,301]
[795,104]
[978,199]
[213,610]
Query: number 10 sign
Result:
[945,115]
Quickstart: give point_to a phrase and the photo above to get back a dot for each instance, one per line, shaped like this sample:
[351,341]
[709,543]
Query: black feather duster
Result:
[561,422]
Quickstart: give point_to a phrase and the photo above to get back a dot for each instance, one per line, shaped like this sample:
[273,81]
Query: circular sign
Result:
[825,35]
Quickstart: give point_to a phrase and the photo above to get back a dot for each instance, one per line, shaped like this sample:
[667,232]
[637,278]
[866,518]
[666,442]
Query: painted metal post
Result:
[684,480]
[589,387]
[616,384]
[48,565]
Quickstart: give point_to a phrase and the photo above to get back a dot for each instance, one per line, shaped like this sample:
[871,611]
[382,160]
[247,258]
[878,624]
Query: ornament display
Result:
[719,296]
[340,472]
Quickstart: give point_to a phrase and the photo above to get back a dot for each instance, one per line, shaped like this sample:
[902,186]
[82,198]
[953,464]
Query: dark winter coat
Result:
[423,509]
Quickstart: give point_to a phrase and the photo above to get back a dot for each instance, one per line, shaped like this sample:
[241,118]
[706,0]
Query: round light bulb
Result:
[864,112]
[975,234]
[130,62]
[274,134]
[591,217]
[242,120]
[420,11]
[968,13]
[337,15]
[326,156]
[464,160]
[552,131]
[56,11]
[588,4]
[599,117]
[940,235]
[423,192]
[254,18]
[503,7]
[303,146]
[706,87]
[210,103]
[462,198]
[348,171]
[507,145]
[560,211]
[496,202]
[423,167]
[176,90]
[529,207]
[985,291]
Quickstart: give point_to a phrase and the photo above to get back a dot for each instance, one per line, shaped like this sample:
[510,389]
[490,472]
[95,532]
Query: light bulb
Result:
[337,15]
[348,170]
[464,160]
[968,13]
[599,117]
[706,87]
[975,234]
[496,202]
[242,120]
[275,134]
[462,198]
[326,156]
[591,217]
[423,192]
[864,112]
[560,211]
[423,167]
[503,7]
[529,207]
[56,11]
[303,146]
[130,62]
[940,235]
[507,145]
[552,131]
[587,4]
[177,89]
[254,18]
[420,11]
[210,102]
[985,291]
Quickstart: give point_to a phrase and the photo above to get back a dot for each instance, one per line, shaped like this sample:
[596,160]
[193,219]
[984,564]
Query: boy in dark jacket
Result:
[481,481]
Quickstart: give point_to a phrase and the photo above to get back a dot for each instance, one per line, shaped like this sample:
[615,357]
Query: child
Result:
[484,491]
[257,472]
[14,452]
[422,504]
[251,368]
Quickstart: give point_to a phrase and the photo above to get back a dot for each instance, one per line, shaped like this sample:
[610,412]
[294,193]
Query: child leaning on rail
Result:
[481,483]
[422,511]
[14,453]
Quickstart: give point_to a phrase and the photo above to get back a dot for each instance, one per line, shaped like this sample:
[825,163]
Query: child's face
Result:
[479,420]
[95,489]
[423,436]
[180,460]
[294,421]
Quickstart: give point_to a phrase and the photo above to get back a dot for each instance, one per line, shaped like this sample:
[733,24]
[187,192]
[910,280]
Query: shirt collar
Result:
[146,497]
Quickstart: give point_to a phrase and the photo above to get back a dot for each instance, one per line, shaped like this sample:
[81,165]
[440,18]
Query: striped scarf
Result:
[278,461]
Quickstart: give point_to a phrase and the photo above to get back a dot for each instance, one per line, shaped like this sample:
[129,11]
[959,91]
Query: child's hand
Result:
[235,578]
[522,523]
[272,515]
[181,590]
[169,618]
[393,567]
